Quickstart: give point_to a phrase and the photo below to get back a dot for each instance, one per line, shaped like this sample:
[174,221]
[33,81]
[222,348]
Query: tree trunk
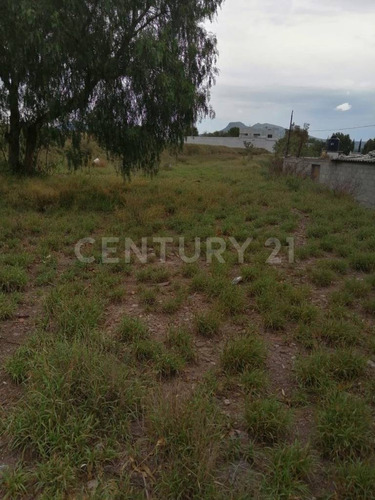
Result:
[14,129]
[31,142]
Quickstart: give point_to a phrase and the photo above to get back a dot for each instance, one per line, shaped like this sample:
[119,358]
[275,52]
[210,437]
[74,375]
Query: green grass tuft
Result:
[344,427]
[12,279]
[289,469]
[243,354]
[356,480]
[182,342]
[207,324]
[364,262]
[132,329]
[267,420]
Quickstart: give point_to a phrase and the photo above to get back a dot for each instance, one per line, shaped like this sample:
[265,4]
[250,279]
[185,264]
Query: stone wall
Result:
[233,142]
[355,178]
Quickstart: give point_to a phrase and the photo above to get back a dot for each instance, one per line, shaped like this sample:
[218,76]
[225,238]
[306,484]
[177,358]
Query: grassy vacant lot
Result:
[165,380]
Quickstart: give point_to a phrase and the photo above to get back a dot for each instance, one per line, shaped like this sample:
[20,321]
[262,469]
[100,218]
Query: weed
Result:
[207,324]
[254,381]
[147,349]
[267,420]
[322,277]
[73,311]
[168,364]
[190,270]
[338,332]
[364,262]
[318,371]
[74,396]
[152,275]
[148,297]
[289,469]
[199,283]
[190,431]
[369,306]
[344,426]
[14,481]
[356,480]
[8,305]
[231,301]
[337,265]
[243,354]
[173,304]
[182,342]
[356,287]
[132,329]
[12,279]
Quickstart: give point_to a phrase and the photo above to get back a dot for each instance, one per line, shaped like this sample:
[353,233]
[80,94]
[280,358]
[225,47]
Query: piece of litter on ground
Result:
[237,280]
[226,402]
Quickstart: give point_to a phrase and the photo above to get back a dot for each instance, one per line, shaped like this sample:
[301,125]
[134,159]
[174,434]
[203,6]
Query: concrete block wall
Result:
[356,178]
[233,142]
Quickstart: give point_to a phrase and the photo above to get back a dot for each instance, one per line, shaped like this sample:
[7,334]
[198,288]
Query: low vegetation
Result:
[177,379]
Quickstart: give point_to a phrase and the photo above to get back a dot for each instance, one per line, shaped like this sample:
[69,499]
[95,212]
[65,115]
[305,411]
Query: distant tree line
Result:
[299,143]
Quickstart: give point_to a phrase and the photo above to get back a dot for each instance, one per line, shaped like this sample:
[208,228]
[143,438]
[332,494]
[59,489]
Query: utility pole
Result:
[289,135]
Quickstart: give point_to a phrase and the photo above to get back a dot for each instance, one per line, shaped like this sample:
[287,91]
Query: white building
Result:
[262,135]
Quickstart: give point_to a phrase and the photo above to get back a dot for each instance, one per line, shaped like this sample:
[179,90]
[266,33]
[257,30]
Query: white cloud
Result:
[344,107]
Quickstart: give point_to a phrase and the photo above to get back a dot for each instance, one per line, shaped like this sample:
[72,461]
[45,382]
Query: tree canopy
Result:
[369,146]
[346,143]
[134,73]
[300,144]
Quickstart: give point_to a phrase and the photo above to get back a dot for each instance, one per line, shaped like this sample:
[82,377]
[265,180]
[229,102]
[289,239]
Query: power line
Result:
[338,129]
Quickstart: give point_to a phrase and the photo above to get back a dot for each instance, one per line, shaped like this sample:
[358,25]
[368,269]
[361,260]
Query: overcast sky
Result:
[316,57]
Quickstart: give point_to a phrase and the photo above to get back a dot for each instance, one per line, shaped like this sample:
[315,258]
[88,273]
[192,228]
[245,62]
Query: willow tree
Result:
[134,73]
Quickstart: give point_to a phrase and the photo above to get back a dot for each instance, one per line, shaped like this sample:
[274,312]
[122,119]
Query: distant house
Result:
[262,135]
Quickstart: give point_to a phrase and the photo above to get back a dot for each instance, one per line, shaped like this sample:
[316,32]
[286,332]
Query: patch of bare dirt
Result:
[281,356]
